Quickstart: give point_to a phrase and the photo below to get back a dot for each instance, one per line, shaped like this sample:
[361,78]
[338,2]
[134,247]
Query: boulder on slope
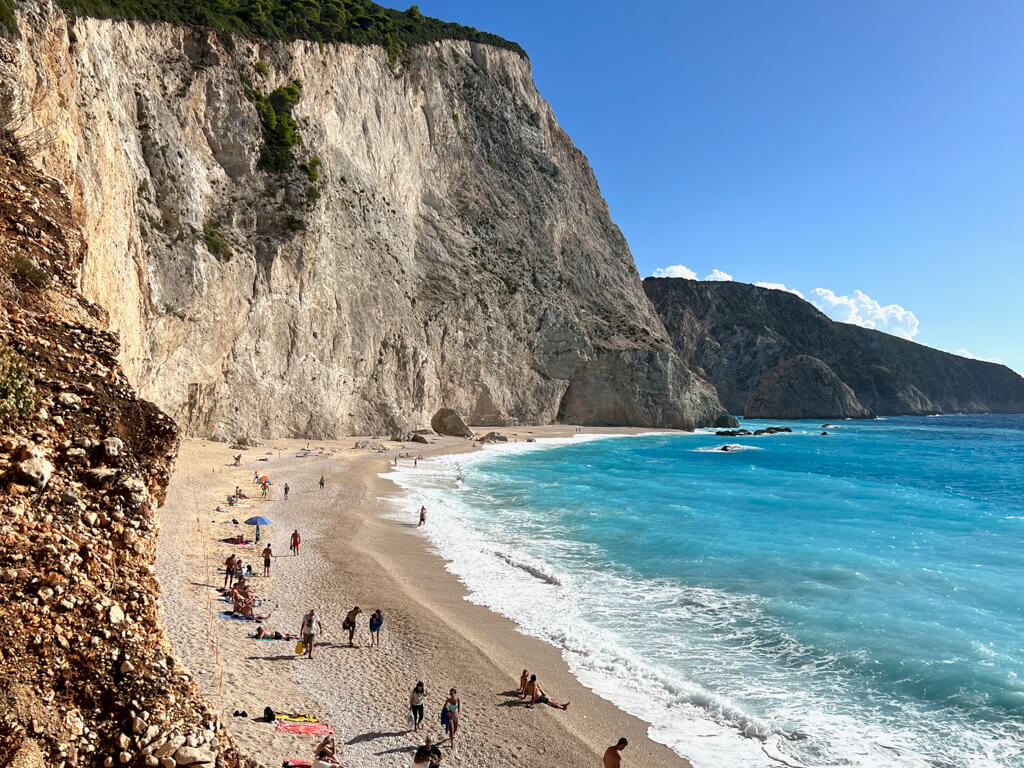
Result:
[804,387]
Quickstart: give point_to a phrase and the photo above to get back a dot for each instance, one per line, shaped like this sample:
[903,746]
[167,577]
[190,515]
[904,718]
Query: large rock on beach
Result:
[804,388]
[448,422]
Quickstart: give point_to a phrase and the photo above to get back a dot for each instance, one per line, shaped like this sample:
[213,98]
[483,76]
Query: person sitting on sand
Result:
[376,622]
[427,755]
[262,633]
[537,695]
[613,755]
[524,680]
[267,554]
[350,624]
[245,609]
[324,755]
[311,627]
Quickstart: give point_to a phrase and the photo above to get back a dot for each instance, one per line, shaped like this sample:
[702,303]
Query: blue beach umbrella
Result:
[257,521]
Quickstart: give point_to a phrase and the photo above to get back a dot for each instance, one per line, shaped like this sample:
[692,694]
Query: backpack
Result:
[268,714]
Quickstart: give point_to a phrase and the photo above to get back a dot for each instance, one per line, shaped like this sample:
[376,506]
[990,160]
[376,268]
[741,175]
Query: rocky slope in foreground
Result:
[735,333]
[87,677]
[438,240]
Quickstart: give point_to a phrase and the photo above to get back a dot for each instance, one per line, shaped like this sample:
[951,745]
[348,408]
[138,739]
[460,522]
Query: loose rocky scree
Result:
[87,677]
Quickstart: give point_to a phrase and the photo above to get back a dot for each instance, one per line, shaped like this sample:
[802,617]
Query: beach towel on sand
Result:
[233,617]
[296,717]
[316,729]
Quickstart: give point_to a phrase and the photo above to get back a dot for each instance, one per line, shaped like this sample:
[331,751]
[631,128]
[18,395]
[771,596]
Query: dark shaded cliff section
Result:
[735,333]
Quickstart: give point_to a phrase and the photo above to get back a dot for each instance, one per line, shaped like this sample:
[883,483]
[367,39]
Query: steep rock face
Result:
[87,675]
[453,249]
[804,388]
[734,333]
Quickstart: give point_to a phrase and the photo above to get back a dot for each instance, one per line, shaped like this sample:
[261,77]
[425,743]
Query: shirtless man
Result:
[537,695]
[229,572]
[350,624]
[423,517]
[295,542]
[613,755]
[267,554]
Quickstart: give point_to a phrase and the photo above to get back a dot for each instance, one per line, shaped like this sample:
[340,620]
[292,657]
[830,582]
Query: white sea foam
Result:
[586,616]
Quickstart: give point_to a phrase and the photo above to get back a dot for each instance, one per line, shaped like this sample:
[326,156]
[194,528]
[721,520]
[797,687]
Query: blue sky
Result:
[869,155]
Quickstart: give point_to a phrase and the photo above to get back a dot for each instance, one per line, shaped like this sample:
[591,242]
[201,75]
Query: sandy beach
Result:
[352,554]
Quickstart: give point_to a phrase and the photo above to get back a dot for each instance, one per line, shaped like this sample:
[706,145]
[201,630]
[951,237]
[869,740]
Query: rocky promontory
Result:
[804,388]
[734,334]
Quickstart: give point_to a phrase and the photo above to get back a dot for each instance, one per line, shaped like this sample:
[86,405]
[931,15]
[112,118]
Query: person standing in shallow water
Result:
[423,517]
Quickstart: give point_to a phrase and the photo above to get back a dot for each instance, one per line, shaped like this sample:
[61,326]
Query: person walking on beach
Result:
[376,622]
[423,517]
[295,542]
[322,483]
[613,755]
[286,489]
[537,695]
[267,554]
[419,692]
[452,710]
[350,624]
[311,627]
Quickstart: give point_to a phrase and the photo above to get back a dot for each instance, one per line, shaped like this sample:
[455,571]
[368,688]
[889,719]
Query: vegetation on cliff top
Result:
[343,21]
[7,21]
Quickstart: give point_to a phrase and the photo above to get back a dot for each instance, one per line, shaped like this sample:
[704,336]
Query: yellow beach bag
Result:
[298,647]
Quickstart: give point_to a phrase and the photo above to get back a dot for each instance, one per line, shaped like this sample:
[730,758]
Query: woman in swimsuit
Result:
[454,707]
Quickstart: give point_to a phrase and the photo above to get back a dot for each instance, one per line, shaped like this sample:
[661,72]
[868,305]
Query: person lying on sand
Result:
[427,754]
[262,633]
[537,695]
[524,680]
[613,755]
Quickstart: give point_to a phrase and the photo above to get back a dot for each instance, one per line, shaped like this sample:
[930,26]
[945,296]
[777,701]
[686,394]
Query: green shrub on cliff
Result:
[17,391]
[280,131]
[344,21]
[8,23]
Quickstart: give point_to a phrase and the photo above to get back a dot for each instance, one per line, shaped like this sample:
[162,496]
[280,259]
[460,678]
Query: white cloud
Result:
[861,309]
[779,287]
[965,353]
[717,274]
[676,270]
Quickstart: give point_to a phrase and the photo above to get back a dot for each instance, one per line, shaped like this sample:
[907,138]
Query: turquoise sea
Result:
[855,599]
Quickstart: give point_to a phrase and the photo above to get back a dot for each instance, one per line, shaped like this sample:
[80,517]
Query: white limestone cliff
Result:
[459,252]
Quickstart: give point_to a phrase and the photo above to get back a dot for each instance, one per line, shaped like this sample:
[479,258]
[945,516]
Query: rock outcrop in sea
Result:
[735,333]
[432,239]
[803,388]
